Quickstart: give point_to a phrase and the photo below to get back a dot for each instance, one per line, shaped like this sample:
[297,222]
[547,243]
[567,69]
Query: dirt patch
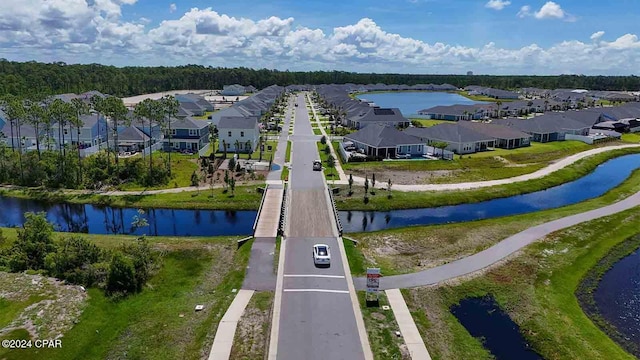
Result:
[404,177]
[56,307]
[252,335]
[508,163]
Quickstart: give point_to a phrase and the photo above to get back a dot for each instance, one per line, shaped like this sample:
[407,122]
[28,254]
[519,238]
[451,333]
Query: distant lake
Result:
[410,102]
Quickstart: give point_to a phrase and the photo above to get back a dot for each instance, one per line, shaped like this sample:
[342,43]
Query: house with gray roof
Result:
[186,134]
[454,112]
[197,99]
[547,127]
[192,108]
[374,115]
[505,137]
[460,139]
[232,90]
[132,139]
[385,141]
[238,134]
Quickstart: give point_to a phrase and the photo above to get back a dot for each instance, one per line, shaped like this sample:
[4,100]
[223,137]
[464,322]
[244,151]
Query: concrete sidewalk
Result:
[222,343]
[408,328]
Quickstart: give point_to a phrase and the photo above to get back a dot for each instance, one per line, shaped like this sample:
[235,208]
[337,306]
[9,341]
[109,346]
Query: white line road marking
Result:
[318,290]
[315,276]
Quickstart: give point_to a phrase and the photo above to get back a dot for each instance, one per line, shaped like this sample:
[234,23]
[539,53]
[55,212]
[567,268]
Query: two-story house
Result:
[186,134]
[238,134]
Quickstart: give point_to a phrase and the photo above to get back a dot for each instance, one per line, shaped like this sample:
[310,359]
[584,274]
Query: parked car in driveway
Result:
[321,254]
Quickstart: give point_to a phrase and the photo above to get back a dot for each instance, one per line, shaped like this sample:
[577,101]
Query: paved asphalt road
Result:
[317,320]
[497,252]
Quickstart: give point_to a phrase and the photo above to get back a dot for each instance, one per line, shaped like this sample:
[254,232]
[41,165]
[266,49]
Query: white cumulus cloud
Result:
[79,31]
[550,10]
[597,35]
[497,4]
[525,10]
[172,8]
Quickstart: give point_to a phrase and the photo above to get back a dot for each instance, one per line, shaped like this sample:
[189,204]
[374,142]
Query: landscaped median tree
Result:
[331,164]
[350,184]
[366,189]
[389,188]
[373,184]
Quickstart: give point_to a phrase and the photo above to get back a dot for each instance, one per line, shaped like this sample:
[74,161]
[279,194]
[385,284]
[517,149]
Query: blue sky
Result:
[407,36]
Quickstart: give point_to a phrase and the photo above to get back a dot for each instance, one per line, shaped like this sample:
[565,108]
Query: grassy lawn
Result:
[631,137]
[483,165]
[285,173]
[317,131]
[408,200]
[203,117]
[252,334]
[245,198]
[429,122]
[182,166]
[287,155]
[416,248]
[381,325]
[481,97]
[160,322]
[537,290]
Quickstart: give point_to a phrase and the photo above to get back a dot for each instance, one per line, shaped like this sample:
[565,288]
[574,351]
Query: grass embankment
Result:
[411,200]
[160,322]
[381,326]
[537,290]
[590,282]
[245,198]
[252,335]
[417,248]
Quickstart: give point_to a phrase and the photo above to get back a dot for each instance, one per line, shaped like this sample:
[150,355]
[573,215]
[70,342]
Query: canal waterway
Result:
[605,177]
[95,219]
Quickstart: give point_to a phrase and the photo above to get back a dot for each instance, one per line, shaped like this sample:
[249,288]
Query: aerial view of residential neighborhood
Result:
[319,180]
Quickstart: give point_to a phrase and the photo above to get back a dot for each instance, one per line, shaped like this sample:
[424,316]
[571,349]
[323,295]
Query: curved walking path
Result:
[499,251]
[480,184]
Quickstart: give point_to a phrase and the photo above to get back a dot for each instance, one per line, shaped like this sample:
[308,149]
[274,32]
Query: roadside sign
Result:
[373,279]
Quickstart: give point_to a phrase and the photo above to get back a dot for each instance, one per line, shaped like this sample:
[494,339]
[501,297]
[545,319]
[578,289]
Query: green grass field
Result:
[245,198]
[537,290]
[160,322]
[182,166]
[408,200]
[416,248]
[429,122]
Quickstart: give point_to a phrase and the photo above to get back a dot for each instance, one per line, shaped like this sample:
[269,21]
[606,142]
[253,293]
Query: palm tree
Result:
[15,111]
[237,144]
[80,108]
[499,103]
[147,109]
[35,117]
[170,108]
[116,110]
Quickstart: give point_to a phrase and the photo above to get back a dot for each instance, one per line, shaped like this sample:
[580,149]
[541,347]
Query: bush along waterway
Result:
[610,294]
[484,319]
[95,219]
[605,177]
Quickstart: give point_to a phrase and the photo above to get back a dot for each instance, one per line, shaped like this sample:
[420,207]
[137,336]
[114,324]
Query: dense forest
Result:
[24,78]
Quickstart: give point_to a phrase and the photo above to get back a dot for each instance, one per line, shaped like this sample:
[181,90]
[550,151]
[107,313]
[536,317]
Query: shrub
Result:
[73,260]
[35,241]
[121,278]
[323,140]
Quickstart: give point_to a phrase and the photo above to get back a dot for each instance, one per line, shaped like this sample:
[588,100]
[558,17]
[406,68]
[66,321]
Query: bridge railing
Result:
[335,211]
[283,212]
[264,195]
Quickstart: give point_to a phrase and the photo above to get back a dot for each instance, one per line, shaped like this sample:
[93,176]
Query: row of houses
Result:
[239,125]
[354,113]
[491,92]
[466,137]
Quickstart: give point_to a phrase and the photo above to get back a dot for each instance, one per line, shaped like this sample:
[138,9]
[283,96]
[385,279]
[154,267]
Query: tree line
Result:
[56,164]
[24,78]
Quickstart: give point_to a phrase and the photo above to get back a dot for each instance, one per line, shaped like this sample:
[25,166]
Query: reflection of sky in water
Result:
[602,179]
[108,220]
[618,296]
